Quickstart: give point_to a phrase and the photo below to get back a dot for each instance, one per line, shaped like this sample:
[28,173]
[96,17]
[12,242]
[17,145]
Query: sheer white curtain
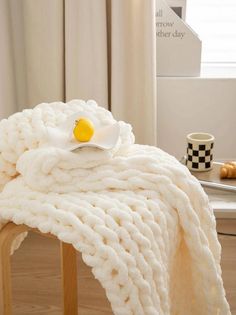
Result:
[90,49]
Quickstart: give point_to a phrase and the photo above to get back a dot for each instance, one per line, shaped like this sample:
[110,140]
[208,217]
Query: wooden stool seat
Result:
[68,268]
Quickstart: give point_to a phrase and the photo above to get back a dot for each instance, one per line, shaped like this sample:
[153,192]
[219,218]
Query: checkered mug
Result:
[199,151]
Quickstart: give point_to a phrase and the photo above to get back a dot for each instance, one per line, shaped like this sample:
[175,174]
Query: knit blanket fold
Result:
[141,221]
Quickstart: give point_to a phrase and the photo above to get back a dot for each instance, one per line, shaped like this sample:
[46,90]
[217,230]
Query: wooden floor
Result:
[36,277]
[228,262]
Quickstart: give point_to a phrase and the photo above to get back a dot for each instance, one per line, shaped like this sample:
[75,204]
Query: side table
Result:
[221,192]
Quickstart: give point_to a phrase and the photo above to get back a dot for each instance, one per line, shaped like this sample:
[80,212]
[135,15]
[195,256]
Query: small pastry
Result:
[83,130]
[228,170]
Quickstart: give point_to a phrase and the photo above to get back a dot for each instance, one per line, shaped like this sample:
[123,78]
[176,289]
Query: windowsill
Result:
[210,71]
[218,70]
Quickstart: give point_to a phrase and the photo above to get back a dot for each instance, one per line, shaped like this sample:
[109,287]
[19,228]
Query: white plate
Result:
[104,138]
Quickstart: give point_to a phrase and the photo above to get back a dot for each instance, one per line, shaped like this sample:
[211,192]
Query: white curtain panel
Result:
[86,50]
[133,68]
[32,60]
[91,49]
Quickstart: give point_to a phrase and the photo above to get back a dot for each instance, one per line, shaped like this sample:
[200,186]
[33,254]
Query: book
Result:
[178,47]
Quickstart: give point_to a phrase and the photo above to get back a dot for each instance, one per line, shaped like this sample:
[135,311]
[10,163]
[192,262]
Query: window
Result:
[215,23]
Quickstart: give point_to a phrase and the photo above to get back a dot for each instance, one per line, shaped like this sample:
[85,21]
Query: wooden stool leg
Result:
[5,275]
[7,235]
[69,279]
[68,266]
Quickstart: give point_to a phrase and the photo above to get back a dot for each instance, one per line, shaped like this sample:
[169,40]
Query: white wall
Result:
[196,104]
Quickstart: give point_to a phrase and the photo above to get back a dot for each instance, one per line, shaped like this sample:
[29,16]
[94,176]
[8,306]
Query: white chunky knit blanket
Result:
[141,221]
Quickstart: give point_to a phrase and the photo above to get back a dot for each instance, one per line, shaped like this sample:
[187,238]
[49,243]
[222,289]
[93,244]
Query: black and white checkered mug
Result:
[199,151]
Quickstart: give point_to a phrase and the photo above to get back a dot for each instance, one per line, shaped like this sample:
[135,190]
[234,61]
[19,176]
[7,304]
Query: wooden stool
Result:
[68,268]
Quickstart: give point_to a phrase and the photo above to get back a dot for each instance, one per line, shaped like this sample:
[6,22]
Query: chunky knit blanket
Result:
[141,221]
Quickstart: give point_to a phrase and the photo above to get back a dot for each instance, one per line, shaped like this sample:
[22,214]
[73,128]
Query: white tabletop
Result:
[224,204]
[223,200]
